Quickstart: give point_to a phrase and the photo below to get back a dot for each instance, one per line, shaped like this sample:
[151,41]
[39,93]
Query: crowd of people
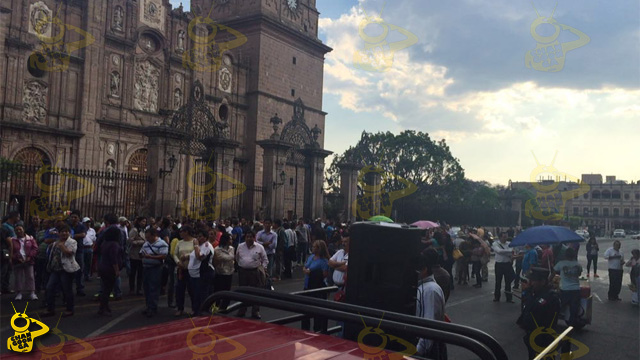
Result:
[161,256]
[183,256]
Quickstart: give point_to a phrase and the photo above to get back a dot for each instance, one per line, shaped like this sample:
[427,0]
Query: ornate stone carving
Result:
[177,99]
[181,38]
[224,80]
[40,18]
[115,84]
[146,87]
[148,43]
[297,132]
[116,60]
[298,110]
[118,18]
[34,99]
[178,79]
[152,13]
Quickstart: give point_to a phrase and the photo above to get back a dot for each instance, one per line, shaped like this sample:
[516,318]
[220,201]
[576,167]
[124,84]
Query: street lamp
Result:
[172,164]
[283,177]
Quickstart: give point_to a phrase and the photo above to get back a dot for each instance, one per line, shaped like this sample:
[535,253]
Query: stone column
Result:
[222,152]
[163,142]
[314,181]
[275,152]
[349,188]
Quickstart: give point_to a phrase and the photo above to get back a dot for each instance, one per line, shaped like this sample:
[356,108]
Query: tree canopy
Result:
[410,155]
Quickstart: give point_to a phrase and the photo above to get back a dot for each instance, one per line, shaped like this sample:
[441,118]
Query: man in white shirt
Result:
[87,245]
[503,268]
[228,227]
[250,257]
[615,259]
[339,262]
[429,305]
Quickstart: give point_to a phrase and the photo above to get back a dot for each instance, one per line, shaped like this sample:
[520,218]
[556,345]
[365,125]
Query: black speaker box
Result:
[383,273]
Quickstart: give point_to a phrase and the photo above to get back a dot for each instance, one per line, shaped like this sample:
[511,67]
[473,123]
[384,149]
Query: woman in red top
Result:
[25,250]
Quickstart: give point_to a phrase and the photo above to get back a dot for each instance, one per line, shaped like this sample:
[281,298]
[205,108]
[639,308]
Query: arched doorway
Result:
[32,156]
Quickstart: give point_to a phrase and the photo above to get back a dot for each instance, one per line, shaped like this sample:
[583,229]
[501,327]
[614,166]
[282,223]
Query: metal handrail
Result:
[327,289]
[553,344]
[311,292]
[470,332]
[413,330]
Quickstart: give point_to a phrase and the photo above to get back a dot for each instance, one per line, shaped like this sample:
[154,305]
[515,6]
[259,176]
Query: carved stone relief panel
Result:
[225,80]
[114,84]
[180,44]
[177,99]
[34,100]
[118,19]
[152,13]
[40,17]
[146,86]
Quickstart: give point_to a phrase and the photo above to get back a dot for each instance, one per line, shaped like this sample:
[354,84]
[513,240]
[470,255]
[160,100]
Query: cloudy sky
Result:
[465,80]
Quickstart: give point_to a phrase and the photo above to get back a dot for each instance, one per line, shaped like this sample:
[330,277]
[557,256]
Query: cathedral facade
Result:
[221,107]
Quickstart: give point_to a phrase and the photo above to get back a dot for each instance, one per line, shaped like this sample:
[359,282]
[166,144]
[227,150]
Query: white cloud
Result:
[432,87]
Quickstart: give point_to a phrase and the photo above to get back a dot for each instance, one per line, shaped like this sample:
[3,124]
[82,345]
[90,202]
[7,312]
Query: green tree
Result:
[410,155]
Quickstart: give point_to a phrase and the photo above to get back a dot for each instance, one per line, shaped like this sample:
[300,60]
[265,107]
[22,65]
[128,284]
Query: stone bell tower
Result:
[285,62]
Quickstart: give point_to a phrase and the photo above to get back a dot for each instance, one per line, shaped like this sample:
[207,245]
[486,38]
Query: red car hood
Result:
[216,337]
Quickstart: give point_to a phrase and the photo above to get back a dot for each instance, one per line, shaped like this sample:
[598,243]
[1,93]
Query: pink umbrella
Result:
[425,224]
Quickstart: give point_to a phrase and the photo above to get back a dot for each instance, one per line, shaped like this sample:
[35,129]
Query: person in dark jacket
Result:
[539,313]
[109,265]
[592,255]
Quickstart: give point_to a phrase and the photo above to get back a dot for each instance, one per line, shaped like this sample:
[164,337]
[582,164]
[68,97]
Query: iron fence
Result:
[51,193]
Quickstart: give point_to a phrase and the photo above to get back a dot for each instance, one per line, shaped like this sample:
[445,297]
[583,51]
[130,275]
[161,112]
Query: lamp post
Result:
[162,173]
[172,164]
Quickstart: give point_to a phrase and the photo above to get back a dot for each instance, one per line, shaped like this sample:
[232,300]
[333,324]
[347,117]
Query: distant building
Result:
[607,205]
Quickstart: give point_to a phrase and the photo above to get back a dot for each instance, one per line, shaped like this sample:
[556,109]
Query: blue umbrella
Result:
[545,235]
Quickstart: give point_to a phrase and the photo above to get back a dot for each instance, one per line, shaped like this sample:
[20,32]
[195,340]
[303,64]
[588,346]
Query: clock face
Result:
[293,4]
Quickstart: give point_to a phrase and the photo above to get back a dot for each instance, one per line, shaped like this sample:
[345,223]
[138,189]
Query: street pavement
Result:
[613,334]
